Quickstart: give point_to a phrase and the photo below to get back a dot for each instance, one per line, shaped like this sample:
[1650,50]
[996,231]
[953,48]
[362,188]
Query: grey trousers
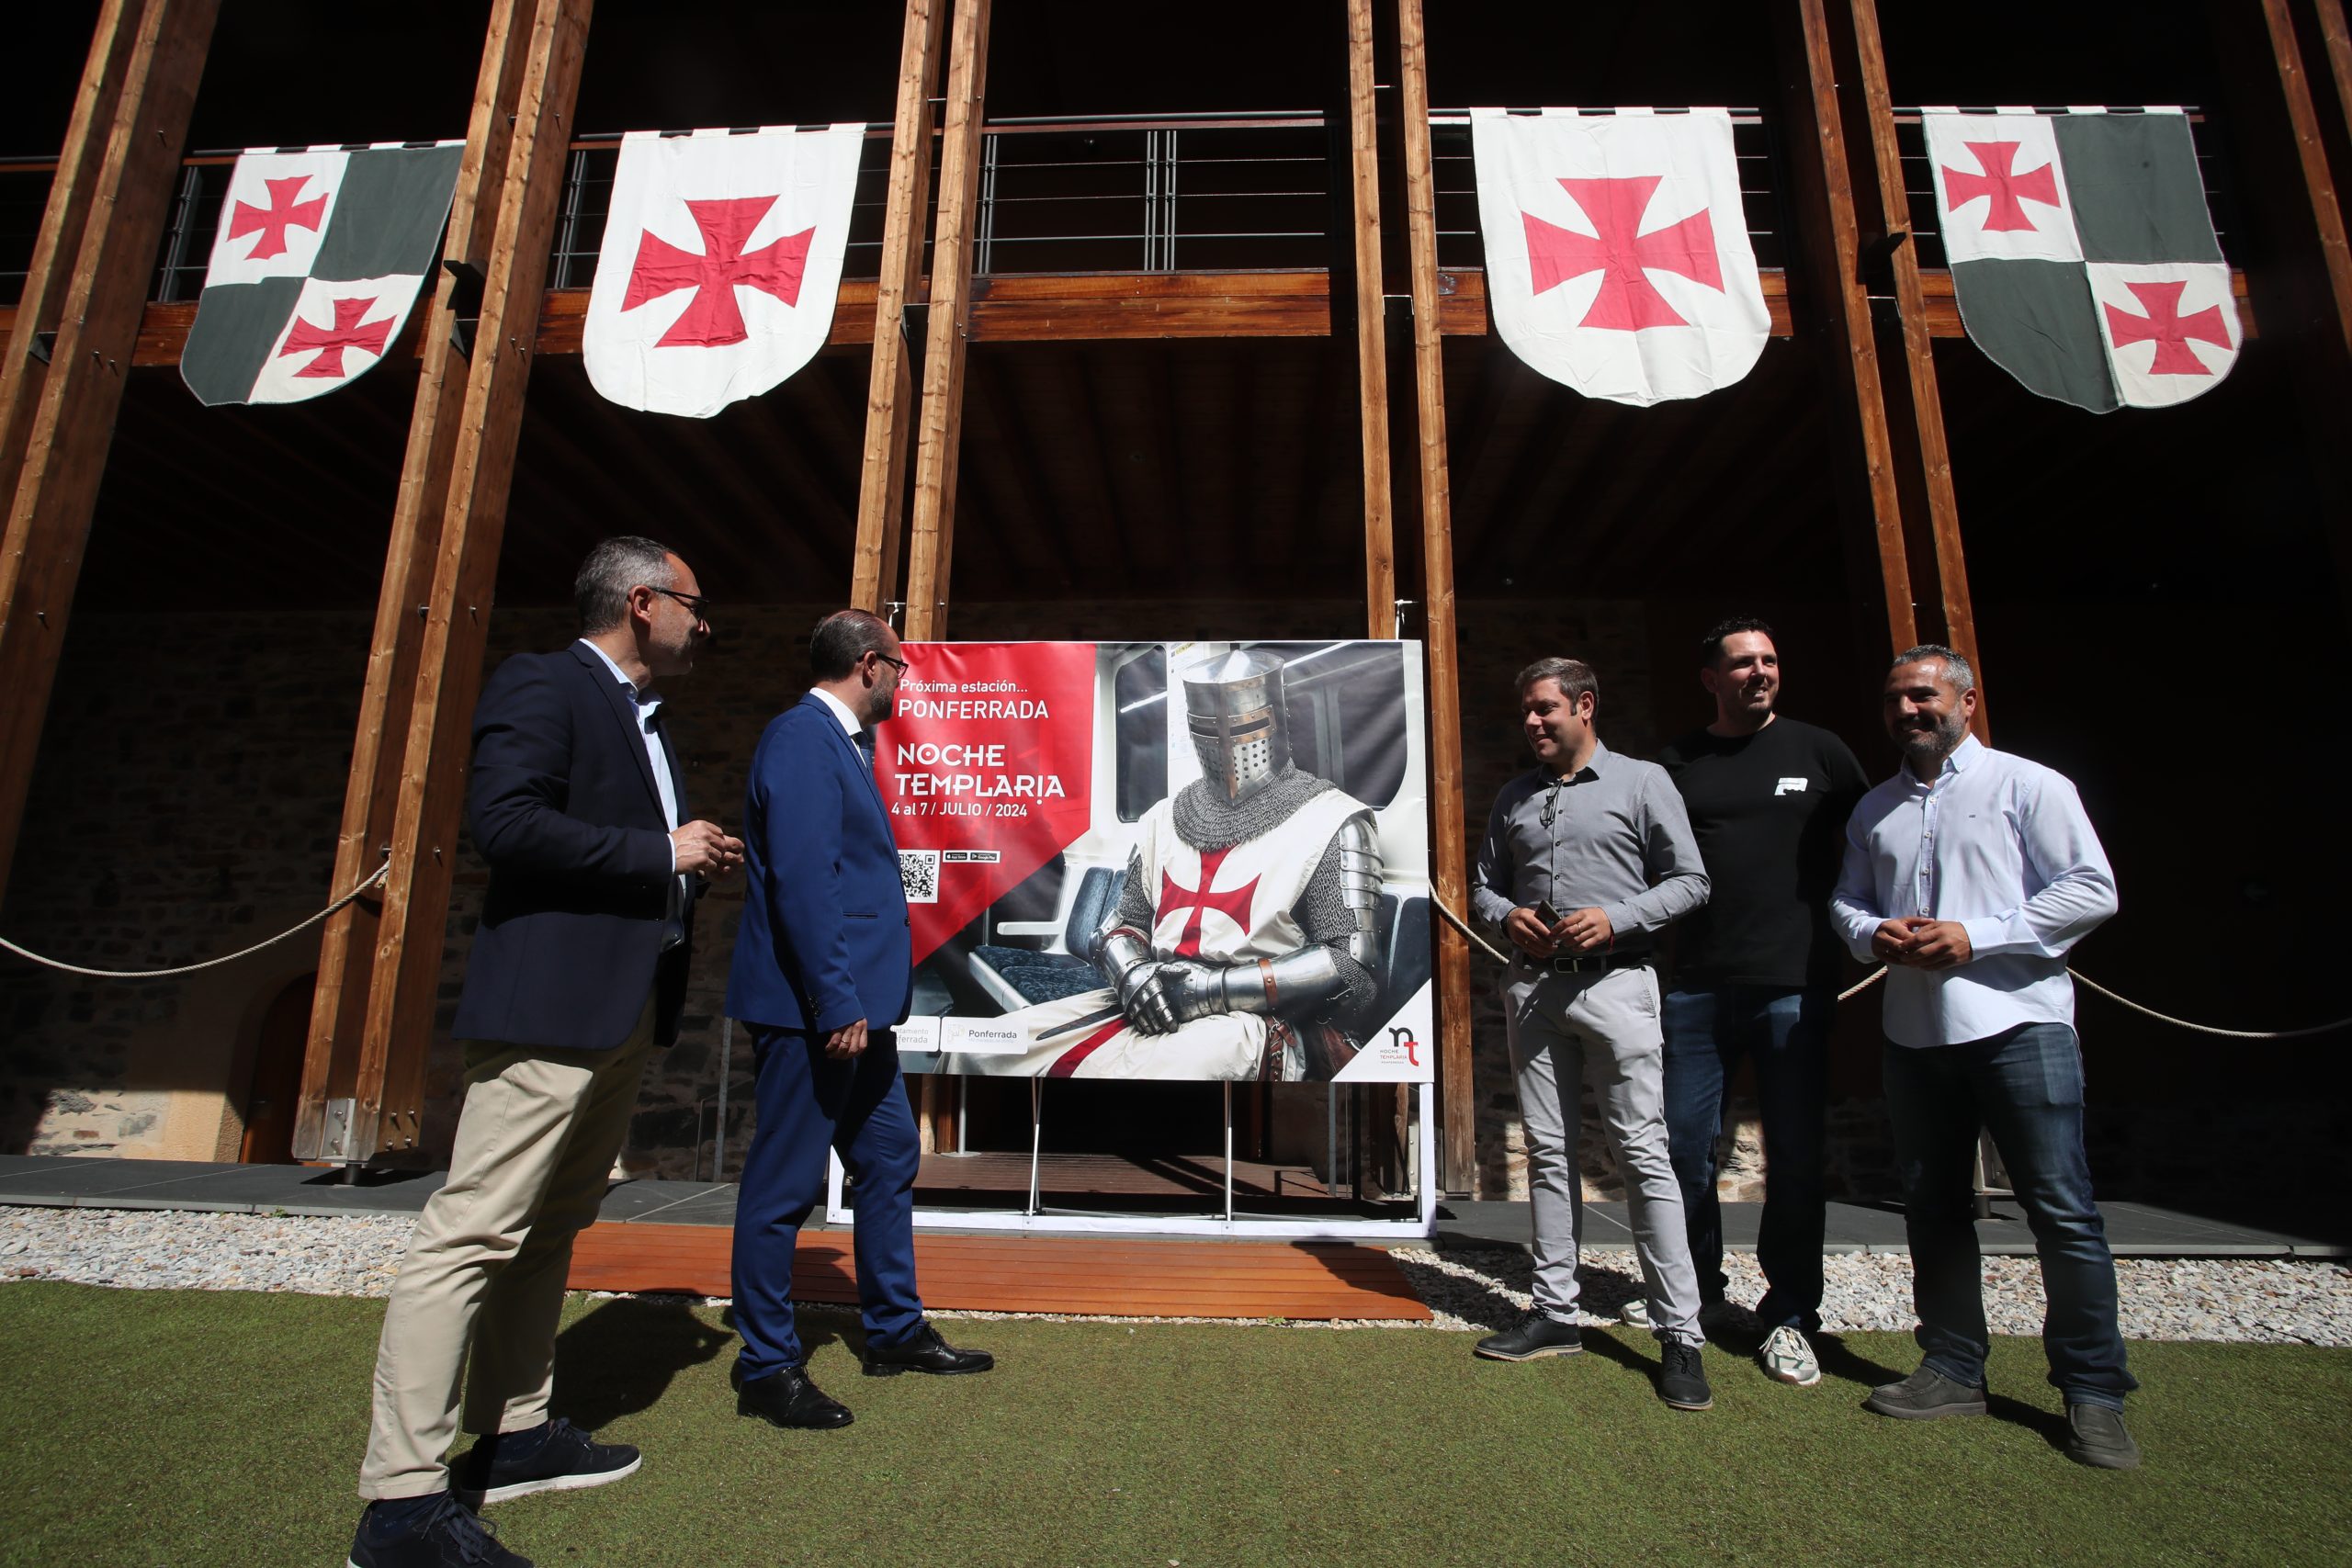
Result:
[486,1265]
[1565,1030]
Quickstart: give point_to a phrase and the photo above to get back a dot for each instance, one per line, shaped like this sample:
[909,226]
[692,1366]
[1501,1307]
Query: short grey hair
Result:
[1573,676]
[601,590]
[1957,668]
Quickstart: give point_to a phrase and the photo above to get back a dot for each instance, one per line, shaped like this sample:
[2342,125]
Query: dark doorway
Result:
[277,1076]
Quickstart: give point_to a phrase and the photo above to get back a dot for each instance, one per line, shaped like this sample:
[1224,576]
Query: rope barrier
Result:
[1875,975]
[374,877]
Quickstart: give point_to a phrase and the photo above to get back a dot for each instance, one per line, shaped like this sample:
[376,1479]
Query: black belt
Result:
[1586,963]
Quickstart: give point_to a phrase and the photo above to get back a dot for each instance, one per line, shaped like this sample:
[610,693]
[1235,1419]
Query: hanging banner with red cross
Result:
[316,262]
[721,257]
[1617,253]
[2082,254]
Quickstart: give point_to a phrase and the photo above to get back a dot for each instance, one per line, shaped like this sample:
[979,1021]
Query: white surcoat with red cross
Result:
[1228,906]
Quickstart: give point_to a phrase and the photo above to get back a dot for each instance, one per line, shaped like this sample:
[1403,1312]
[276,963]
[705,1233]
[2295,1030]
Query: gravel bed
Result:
[2267,1301]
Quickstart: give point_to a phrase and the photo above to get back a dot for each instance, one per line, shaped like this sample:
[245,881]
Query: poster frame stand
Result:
[1036,1219]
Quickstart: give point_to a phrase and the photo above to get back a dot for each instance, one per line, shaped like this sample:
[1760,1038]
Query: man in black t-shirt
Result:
[1756,973]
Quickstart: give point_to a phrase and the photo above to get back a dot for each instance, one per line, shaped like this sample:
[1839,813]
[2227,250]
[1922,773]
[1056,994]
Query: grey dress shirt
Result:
[1618,839]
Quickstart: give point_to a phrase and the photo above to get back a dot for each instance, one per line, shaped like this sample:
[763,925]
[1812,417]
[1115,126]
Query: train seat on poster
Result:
[1016,976]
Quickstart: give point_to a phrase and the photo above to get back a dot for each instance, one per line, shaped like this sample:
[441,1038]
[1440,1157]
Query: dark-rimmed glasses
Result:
[896,663]
[696,604]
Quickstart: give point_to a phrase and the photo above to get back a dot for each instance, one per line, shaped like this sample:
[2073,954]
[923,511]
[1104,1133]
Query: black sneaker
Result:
[1680,1382]
[419,1533]
[1537,1335]
[565,1459]
[2096,1437]
[1926,1397]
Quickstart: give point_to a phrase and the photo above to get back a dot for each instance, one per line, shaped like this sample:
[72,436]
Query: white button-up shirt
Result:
[647,705]
[2000,845]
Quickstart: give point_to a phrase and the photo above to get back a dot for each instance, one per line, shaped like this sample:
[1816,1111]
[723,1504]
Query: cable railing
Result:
[1127,193]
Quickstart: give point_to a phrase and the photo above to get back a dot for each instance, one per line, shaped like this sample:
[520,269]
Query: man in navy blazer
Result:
[577,975]
[822,972]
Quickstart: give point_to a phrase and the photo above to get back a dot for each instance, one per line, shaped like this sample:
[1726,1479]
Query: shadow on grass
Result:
[621,1357]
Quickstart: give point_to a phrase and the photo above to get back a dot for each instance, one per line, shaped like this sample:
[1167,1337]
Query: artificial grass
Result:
[140,1427]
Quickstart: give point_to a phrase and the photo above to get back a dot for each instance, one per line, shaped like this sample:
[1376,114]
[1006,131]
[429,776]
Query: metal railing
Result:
[1151,193]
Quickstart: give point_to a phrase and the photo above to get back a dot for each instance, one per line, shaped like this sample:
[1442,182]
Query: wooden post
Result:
[2302,116]
[97,318]
[890,386]
[1926,423]
[399,1027]
[1830,249]
[1449,841]
[59,239]
[347,946]
[1372,346]
[932,549]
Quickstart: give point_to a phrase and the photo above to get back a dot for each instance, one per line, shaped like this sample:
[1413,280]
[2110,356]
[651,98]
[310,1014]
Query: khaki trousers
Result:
[486,1265]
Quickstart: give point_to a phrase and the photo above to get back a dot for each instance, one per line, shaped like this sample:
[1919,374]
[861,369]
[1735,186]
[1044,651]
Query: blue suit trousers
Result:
[809,1102]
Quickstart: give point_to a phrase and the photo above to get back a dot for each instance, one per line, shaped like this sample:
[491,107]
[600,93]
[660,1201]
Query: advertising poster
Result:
[1142,860]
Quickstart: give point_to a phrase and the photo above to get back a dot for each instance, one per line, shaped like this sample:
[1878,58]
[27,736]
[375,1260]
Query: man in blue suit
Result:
[577,976]
[823,972]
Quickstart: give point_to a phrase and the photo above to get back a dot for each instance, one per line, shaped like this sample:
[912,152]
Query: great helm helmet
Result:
[1233,705]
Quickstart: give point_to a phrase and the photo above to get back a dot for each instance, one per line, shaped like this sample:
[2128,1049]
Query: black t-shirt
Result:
[1769,812]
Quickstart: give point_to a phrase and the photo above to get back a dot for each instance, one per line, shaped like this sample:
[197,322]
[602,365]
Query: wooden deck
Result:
[1117,1176]
[1107,1275]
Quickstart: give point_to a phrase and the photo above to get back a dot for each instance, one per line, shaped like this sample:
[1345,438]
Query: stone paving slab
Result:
[2134,1229]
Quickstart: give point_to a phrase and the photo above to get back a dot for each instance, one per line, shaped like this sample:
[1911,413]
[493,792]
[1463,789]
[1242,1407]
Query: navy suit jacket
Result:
[825,939]
[563,805]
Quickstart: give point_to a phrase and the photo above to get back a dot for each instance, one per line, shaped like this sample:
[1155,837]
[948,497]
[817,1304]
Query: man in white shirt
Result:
[1971,874]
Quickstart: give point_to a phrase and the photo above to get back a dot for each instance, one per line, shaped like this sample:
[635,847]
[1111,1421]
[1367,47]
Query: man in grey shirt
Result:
[1588,856]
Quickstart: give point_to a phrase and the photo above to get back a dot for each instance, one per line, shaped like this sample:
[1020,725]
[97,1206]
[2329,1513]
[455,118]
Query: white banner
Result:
[1617,253]
[721,259]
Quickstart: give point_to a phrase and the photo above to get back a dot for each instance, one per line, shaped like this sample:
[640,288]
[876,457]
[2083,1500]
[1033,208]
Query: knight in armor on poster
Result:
[1244,943]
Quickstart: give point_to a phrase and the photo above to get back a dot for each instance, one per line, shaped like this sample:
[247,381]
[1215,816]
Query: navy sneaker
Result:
[433,1531]
[558,1457]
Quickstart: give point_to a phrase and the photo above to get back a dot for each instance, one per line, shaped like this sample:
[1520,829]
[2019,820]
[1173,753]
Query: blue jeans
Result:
[1786,1032]
[2025,1085]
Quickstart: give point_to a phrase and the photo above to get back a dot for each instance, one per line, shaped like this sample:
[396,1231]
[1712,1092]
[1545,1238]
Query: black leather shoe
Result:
[2096,1437]
[1537,1334]
[926,1352]
[790,1398]
[1682,1382]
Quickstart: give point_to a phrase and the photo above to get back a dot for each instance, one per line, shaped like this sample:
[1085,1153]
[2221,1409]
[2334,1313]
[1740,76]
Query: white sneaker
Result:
[1712,1315]
[1787,1358]
[1634,1313]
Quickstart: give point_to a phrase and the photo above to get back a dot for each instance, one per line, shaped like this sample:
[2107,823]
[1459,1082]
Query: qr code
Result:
[919,871]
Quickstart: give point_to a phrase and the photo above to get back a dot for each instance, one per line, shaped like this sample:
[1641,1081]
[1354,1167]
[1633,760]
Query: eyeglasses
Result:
[695,603]
[897,664]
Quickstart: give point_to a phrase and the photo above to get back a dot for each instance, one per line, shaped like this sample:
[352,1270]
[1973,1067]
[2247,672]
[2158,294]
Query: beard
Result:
[1933,744]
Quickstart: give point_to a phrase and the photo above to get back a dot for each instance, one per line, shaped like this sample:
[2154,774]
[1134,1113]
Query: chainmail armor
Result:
[1208,822]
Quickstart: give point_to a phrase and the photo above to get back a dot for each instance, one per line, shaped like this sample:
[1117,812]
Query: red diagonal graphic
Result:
[1628,302]
[272,221]
[328,343]
[1234,903]
[2165,326]
[2002,185]
[1066,1065]
[712,318]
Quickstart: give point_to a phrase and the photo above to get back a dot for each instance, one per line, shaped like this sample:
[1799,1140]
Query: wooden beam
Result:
[1923,430]
[1372,339]
[398,1030]
[2303,116]
[933,548]
[874,574]
[2337,37]
[347,945]
[74,415]
[1829,245]
[1449,838]
[49,271]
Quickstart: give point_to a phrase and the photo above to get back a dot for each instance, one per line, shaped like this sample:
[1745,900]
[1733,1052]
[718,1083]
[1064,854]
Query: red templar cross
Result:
[2001,185]
[282,213]
[2165,326]
[712,318]
[1628,302]
[1233,904]
[349,331]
